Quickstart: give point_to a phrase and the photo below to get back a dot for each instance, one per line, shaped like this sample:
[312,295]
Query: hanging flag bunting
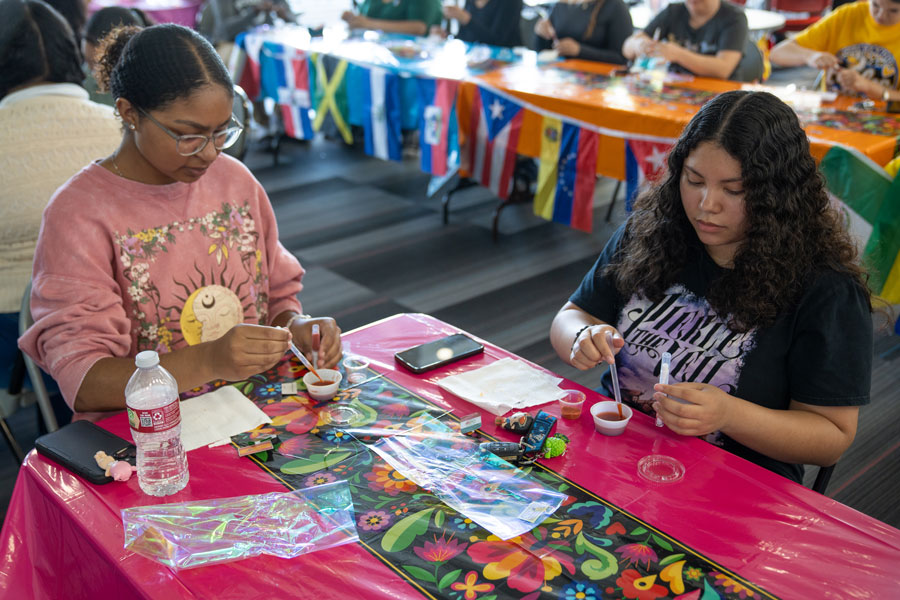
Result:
[284,75]
[380,98]
[331,95]
[567,174]
[251,44]
[870,201]
[644,161]
[493,141]
[438,140]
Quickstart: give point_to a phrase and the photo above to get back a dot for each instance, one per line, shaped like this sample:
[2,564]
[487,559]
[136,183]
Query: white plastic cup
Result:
[356,369]
[319,391]
[606,417]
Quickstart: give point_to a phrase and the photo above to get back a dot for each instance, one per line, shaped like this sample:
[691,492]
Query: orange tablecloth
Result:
[625,114]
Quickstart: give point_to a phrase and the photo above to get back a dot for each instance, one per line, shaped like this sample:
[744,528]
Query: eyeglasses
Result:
[190,144]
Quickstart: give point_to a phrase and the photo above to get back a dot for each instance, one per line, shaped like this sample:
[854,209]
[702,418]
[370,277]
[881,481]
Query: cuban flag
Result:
[285,78]
[494,139]
[644,161]
[251,44]
[379,92]
[438,137]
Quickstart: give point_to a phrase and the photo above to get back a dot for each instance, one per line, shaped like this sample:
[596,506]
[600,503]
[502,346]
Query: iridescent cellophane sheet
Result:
[493,493]
[193,534]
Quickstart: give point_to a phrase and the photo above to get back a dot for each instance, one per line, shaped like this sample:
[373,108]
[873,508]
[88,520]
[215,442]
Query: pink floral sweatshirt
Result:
[122,267]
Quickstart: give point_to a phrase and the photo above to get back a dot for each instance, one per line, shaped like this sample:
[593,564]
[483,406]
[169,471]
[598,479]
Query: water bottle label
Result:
[154,420]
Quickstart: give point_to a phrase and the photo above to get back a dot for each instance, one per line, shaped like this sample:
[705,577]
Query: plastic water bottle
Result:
[151,398]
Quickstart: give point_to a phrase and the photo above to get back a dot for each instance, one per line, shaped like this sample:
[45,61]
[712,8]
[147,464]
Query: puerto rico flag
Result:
[379,92]
[644,161]
[493,141]
[285,78]
[438,140]
[567,175]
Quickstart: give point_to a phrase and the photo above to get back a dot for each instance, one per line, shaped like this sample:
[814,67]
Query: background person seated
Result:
[221,21]
[494,22]
[48,131]
[101,23]
[856,46]
[699,37]
[414,17]
[592,29]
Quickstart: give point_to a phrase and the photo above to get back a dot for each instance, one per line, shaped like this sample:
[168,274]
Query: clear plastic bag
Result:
[192,534]
[493,493]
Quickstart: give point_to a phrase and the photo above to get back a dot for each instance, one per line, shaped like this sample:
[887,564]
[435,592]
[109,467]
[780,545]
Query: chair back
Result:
[822,479]
[815,8]
[752,66]
[34,372]
[243,111]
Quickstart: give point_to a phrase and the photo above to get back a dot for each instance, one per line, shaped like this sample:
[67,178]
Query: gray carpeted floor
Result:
[373,246]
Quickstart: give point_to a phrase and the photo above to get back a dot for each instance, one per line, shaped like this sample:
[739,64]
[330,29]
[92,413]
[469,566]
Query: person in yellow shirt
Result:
[857,46]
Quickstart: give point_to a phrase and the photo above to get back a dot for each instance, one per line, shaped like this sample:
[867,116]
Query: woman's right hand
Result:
[823,60]
[591,347]
[544,28]
[246,350]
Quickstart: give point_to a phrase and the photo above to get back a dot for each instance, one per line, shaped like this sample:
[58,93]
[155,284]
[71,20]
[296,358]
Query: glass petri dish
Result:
[340,414]
[660,468]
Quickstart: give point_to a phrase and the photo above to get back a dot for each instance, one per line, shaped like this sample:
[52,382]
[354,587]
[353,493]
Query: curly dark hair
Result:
[153,67]
[792,230]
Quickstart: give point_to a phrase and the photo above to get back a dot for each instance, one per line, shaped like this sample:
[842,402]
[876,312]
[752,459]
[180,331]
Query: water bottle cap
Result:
[146,359]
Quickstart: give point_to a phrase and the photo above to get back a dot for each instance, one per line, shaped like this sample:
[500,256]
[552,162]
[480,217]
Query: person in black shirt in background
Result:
[589,29]
[700,37]
[494,22]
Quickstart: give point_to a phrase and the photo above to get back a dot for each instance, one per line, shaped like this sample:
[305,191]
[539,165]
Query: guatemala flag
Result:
[493,141]
[380,98]
[284,72]
[438,137]
[644,161]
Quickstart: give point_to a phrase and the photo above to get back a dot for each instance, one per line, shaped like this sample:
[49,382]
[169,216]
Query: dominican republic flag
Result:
[869,198]
[493,141]
[438,127]
[284,73]
[251,44]
[567,175]
[644,161]
[379,92]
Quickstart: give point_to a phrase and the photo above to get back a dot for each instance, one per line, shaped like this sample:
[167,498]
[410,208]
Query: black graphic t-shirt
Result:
[819,353]
[726,30]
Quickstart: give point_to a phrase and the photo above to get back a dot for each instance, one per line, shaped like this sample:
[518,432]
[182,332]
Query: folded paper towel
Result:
[504,385]
[211,419]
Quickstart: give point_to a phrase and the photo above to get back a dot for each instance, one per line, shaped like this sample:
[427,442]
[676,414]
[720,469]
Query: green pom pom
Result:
[555,446]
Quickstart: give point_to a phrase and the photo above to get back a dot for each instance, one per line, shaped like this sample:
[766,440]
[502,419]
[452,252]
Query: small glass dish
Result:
[340,414]
[356,369]
[660,468]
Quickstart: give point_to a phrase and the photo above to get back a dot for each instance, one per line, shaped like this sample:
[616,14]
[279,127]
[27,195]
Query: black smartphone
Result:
[438,353]
[74,445]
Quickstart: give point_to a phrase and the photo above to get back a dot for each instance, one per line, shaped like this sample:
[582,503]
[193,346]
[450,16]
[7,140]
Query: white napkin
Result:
[212,418]
[504,385]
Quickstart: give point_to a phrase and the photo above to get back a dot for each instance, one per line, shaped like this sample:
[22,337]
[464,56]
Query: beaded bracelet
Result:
[294,318]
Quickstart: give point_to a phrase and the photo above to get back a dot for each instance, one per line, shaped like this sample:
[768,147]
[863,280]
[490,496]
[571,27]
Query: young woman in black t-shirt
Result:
[737,265]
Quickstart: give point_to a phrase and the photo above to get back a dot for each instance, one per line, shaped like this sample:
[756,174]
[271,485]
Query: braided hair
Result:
[155,66]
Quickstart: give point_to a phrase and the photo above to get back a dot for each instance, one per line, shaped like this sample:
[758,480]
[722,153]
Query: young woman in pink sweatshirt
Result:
[166,244]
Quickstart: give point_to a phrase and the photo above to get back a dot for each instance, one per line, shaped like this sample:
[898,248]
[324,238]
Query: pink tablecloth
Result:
[183,12]
[63,536]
